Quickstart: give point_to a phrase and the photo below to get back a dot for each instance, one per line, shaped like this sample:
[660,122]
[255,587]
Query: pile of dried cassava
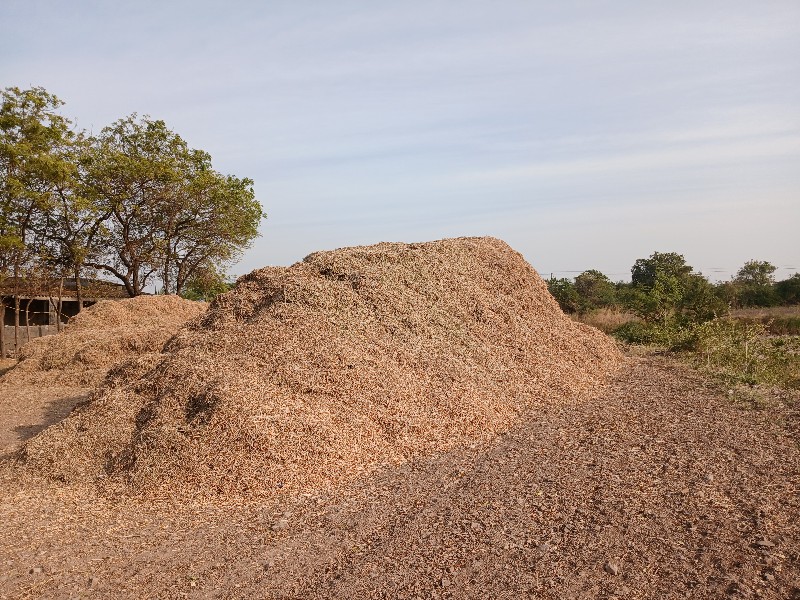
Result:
[305,376]
[99,337]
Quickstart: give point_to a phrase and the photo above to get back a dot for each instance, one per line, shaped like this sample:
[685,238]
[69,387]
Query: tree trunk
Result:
[28,320]
[2,327]
[166,276]
[16,308]
[78,290]
[135,279]
[16,323]
[60,305]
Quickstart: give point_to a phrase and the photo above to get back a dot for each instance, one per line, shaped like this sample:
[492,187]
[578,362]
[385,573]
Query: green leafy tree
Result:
[216,220]
[701,301]
[728,292]
[756,273]
[170,214]
[665,291]
[34,140]
[754,282]
[594,290]
[206,284]
[658,286]
[645,271]
[788,290]
[74,227]
[564,292]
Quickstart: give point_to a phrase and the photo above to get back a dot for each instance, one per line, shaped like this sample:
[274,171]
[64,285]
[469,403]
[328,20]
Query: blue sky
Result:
[585,134]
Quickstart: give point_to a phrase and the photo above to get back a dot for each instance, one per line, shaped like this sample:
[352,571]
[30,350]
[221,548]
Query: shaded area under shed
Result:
[45,306]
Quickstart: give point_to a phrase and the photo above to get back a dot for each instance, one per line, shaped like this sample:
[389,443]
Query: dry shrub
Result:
[309,375]
[769,312]
[607,319]
[100,336]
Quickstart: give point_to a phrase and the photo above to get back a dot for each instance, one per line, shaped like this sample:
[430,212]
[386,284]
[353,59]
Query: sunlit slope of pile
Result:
[308,375]
[101,336]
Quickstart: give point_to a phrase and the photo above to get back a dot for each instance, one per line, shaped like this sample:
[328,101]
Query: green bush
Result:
[207,285]
[753,296]
[788,290]
[670,335]
[665,291]
[565,294]
[784,325]
[743,352]
[594,290]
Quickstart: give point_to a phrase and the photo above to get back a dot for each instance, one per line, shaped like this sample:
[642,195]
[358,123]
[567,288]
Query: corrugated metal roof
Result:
[90,288]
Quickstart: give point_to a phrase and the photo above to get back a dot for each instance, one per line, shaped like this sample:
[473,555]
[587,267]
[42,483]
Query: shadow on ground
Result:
[6,364]
[54,411]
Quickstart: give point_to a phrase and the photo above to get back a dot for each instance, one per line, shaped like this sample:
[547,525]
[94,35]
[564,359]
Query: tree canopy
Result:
[756,272]
[789,289]
[34,142]
[659,284]
[647,271]
[595,290]
[135,202]
[755,284]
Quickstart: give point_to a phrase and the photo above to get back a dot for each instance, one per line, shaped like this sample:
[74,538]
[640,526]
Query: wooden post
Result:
[16,323]
[28,320]
[60,304]
[79,289]
[2,327]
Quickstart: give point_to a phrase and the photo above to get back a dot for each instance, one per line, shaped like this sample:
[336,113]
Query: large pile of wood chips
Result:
[306,376]
[101,336]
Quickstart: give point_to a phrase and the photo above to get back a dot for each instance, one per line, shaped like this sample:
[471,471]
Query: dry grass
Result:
[779,320]
[310,375]
[606,319]
[761,313]
[100,336]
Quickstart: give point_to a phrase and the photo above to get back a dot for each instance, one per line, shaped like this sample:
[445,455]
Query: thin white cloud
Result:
[362,120]
[694,156]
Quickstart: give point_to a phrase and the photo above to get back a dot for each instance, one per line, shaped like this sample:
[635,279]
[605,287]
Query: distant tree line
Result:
[664,289]
[133,203]
[670,306]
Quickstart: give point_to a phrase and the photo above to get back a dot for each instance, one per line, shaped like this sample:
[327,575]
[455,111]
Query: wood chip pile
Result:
[309,375]
[100,336]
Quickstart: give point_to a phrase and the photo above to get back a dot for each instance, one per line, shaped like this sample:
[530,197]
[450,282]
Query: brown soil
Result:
[656,486]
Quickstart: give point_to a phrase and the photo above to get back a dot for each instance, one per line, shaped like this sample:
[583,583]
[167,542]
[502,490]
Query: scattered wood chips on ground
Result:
[652,486]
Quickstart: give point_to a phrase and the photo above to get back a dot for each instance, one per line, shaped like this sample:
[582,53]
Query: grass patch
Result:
[778,320]
[735,351]
[668,336]
[607,320]
[775,325]
[770,312]
[745,352]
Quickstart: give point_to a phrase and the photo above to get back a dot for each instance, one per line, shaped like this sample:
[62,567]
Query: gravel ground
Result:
[657,486]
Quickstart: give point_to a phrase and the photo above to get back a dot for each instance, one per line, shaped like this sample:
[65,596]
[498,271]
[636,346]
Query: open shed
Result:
[45,306]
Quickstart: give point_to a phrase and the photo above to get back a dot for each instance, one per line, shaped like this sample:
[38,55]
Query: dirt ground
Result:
[27,410]
[657,486]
